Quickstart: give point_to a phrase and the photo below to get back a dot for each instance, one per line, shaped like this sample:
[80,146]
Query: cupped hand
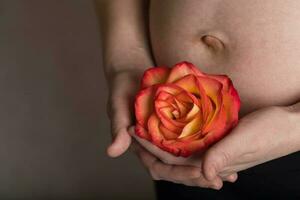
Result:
[260,136]
[164,166]
[122,89]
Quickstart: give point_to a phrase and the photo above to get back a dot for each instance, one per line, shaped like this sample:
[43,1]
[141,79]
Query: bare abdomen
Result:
[256,43]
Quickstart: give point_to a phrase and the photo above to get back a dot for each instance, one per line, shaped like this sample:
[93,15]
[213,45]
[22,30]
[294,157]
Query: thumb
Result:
[120,143]
[120,122]
[214,161]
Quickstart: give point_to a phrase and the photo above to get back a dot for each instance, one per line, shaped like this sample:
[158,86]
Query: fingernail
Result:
[217,186]
[232,178]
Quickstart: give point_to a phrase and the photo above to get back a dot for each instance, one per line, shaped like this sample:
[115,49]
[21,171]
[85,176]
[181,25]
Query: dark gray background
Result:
[53,123]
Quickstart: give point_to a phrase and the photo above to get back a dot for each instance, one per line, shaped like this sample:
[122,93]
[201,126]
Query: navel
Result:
[214,43]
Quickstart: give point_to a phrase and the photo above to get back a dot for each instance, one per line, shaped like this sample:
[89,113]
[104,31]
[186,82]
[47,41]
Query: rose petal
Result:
[227,116]
[212,87]
[169,123]
[231,102]
[217,123]
[175,113]
[182,69]
[192,127]
[168,135]
[144,105]
[183,108]
[218,131]
[183,148]
[192,84]
[189,84]
[195,110]
[167,92]
[213,90]
[171,89]
[162,104]
[222,79]
[168,100]
[169,104]
[164,99]
[155,75]
[143,133]
[167,111]
[213,109]
[191,114]
[164,96]
[184,97]
[153,129]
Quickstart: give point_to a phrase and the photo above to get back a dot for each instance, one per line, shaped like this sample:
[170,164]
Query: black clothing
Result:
[277,179]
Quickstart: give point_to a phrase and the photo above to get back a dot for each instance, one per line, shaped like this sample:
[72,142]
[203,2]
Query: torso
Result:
[256,43]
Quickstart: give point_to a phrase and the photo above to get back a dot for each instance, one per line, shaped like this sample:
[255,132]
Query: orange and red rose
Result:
[183,110]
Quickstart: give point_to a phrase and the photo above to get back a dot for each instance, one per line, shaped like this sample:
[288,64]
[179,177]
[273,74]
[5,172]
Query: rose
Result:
[183,110]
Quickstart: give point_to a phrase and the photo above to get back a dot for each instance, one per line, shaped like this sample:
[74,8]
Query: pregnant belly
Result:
[256,43]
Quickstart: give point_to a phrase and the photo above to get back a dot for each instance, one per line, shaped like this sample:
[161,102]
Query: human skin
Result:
[260,44]
[256,44]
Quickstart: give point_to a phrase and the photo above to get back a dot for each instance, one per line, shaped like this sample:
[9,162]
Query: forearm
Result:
[125,41]
[294,121]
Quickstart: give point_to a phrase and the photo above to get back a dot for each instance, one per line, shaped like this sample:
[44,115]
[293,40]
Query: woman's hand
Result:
[182,174]
[164,166]
[126,54]
[122,89]
[261,136]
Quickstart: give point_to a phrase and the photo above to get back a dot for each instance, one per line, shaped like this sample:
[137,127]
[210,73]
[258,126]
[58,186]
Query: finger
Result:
[121,120]
[214,161]
[159,170]
[120,144]
[216,184]
[164,156]
[191,176]
[147,160]
[231,178]
[175,173]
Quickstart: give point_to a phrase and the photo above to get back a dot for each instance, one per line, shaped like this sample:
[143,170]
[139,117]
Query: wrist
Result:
[125,76]
[133,72]
[114,69]
[129,62]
